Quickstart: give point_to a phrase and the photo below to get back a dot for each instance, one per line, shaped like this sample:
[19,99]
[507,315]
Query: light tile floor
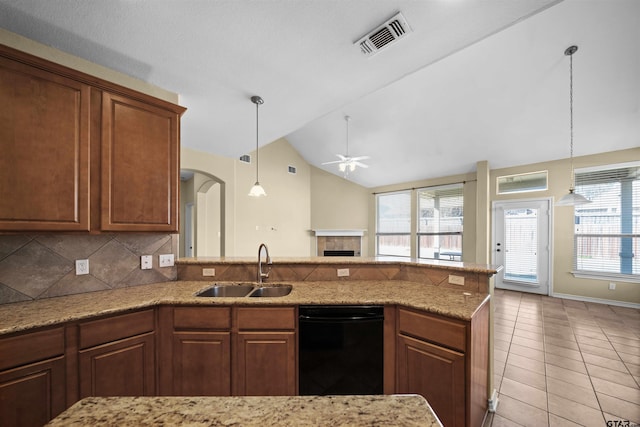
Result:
[560,362]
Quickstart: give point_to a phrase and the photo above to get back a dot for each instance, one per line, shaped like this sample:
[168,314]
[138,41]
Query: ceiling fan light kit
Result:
[572,198]
[347,163]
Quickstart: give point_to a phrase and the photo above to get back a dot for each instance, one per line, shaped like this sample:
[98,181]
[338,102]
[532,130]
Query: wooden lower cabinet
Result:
[117,355]
[265,364]
[265,351]
[225,351]
[32,395]
[445,360]
[436,373]
[122,368]
[201,363]
[32,377]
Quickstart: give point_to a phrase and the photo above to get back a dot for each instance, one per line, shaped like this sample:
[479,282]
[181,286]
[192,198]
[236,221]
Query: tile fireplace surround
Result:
[339,241]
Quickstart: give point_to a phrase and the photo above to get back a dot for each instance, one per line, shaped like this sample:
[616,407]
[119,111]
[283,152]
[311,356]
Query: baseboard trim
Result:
[597,300]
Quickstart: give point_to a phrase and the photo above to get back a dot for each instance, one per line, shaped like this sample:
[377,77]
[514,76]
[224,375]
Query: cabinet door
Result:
[265,364]
[140,166]
[202,363]
[44,141]
[32,395]
[437,374]
[121,368]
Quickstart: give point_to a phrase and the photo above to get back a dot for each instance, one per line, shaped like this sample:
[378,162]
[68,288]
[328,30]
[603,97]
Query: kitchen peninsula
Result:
[160,336]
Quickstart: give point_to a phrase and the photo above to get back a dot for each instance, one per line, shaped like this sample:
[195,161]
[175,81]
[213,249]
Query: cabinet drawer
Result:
[202,318]
[432,328]
[266,318]
[31,347]
[115,328]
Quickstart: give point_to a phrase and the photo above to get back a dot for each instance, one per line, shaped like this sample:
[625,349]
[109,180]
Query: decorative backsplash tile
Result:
[328,271]
[43,266]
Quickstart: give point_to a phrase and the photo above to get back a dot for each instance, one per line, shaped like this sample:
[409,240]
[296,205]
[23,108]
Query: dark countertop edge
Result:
[441,263]
[233,301]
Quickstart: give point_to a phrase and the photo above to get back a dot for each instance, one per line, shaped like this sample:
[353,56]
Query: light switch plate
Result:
[456,280]
[343,272]
[208,271]
[146,262]
[166,260]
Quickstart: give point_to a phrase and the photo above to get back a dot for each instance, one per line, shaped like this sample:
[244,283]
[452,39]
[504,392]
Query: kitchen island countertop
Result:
[387,410]
[23,316]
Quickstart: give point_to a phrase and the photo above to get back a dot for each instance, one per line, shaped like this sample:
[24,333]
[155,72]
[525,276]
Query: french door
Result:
[521,244]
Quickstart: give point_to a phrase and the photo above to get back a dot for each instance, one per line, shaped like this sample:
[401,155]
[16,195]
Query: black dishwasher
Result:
[340,350]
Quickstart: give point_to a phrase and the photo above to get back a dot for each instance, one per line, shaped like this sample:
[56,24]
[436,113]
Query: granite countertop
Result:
[387,410]
[23,316]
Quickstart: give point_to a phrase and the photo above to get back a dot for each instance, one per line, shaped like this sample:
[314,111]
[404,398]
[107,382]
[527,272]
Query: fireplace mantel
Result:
[334,232]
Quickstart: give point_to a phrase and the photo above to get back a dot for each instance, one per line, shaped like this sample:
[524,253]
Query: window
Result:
[607,230]
[522,183]
[440,218]
[393,224]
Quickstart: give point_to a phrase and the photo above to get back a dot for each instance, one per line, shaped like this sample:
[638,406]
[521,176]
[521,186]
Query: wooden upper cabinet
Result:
[140,165]
[82,154]
[44,141]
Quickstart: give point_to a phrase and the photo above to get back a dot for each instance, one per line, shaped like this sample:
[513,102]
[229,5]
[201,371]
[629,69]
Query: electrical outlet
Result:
[146,262]
[166,260]
[343,272]
[456,280]
[208,271]
[612,286]
[82,267]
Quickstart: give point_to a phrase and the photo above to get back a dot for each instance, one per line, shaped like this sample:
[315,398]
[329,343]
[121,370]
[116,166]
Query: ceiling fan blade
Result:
[355,159]
[362,165]
[334,162]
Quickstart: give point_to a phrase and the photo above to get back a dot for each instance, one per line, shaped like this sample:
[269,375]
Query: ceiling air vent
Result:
[245,158]
[384,35]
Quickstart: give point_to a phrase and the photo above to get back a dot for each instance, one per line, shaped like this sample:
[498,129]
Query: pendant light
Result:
[257,190]
[571,199]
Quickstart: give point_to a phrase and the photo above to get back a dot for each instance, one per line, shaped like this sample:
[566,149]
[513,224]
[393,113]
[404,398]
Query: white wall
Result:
[337,203]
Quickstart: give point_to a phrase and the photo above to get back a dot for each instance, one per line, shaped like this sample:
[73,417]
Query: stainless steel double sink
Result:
[240,290]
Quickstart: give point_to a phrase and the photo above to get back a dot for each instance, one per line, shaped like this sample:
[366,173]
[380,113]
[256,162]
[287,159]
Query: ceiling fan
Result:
[347,163]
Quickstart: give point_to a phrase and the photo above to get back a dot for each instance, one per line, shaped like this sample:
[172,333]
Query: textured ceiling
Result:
[475,80]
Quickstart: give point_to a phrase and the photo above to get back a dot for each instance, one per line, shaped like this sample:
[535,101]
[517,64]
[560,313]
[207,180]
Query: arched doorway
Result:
[201,214]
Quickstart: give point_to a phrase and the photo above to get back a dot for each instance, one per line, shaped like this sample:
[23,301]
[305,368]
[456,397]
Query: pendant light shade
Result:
[571,199]
[257,190]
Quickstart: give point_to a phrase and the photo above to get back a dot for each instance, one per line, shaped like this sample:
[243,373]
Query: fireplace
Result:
[338,252]
[339,242]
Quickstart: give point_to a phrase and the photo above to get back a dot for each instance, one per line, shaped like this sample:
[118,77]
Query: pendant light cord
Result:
[569,52]
[257,155]
[572,176]
[347,118]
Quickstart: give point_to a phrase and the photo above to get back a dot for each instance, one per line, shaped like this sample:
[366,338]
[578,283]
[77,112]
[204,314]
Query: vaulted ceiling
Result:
[473,80]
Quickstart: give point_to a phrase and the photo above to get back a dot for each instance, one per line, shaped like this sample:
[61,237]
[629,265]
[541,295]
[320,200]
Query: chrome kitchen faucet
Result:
[261,275]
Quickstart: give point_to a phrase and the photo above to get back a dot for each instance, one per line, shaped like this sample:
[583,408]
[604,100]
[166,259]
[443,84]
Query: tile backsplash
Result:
[43,265]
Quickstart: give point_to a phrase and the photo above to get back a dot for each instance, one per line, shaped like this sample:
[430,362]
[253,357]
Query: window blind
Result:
[607,231]
[440,221]
[393,224]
